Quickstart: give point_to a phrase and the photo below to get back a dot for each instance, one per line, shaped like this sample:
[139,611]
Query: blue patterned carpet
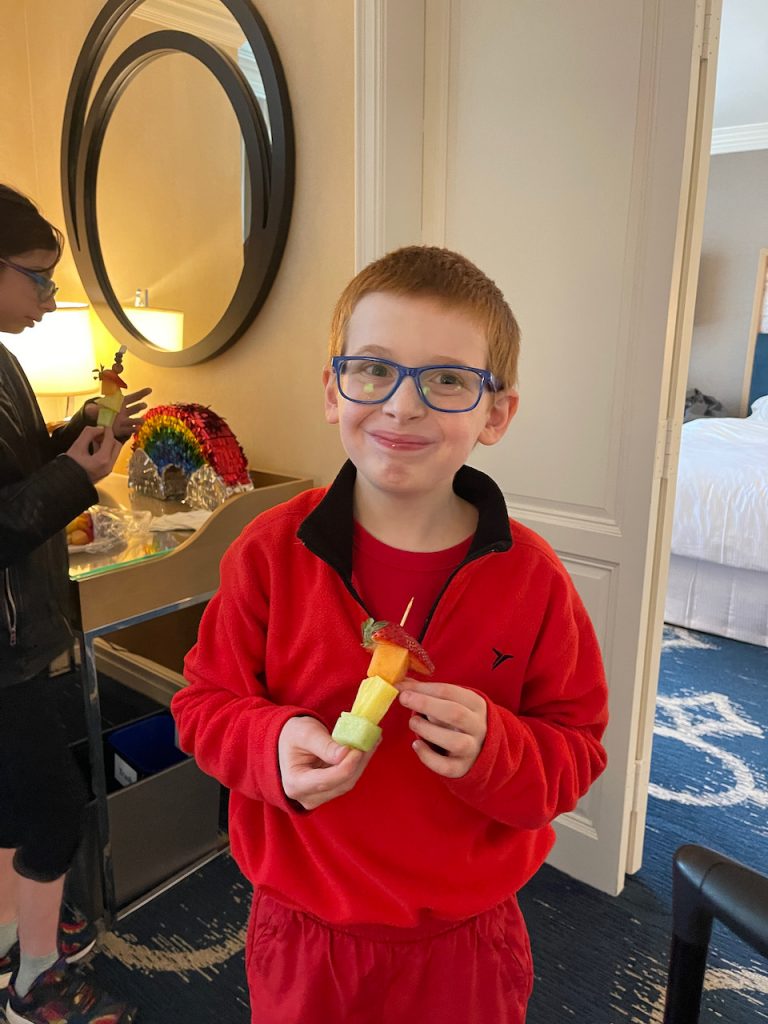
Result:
[604,961]
[598,960]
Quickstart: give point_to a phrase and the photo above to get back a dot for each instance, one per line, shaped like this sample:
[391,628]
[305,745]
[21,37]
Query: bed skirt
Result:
[718,599]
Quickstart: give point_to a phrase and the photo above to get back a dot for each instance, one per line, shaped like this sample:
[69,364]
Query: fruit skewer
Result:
[111,399]
[394,653]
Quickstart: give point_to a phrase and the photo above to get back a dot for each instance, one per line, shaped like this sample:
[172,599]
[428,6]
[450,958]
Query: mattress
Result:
[721,501]
[718,599]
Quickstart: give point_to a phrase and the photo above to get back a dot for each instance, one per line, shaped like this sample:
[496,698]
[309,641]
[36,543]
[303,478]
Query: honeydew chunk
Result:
[109,407]
[390,662]
[353,731]
[374,697]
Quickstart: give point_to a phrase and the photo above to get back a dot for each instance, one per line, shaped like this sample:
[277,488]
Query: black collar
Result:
[327,530]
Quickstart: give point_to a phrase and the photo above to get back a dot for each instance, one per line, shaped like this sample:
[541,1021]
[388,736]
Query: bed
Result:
[718,578]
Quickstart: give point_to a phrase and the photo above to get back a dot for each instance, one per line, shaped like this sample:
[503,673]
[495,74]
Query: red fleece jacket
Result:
[281,637]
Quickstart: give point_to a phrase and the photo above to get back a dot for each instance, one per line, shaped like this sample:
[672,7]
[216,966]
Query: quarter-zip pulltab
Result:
[10,607]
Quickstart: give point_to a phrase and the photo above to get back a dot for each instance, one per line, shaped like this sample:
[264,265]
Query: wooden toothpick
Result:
[406,613]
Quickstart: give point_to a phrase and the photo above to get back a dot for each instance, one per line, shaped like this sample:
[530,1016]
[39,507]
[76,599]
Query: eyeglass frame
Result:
[46,287]
[487,380]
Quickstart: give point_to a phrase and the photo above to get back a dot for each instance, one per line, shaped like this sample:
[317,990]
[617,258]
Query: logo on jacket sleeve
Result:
[499,657]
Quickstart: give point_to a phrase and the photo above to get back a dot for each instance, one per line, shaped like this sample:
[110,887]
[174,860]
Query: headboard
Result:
[756,368]
[759,383]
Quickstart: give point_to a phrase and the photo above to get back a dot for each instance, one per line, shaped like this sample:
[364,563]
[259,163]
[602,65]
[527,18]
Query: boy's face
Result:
[401,445]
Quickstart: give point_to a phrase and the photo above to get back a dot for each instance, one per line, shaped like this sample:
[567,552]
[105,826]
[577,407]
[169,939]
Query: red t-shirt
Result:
[387,578]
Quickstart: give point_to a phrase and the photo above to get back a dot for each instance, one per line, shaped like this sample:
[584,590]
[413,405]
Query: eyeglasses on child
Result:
[46,288]
[444,387]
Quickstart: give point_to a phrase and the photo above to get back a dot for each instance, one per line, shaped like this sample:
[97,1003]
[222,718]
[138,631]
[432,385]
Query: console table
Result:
[142,580]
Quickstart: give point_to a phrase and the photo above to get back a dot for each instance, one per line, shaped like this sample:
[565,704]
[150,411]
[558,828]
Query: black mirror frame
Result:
[271,167]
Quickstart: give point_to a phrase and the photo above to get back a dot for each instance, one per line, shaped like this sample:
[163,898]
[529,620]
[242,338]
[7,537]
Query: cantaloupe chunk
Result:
[390,662]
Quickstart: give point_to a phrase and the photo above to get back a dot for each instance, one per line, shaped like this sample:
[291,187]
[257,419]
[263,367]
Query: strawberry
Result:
[390,633]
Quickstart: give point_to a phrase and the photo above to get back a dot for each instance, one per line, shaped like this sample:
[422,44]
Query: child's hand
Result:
[449,716]
[128,419]
[96,450]
[314,769]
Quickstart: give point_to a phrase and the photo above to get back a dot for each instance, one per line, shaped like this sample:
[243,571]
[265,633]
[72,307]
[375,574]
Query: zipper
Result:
[10,606]
[473,557]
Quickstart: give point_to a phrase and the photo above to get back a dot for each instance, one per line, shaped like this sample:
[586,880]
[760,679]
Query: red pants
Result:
[304,971]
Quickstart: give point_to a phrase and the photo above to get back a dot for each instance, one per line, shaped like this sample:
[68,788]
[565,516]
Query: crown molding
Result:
[195,16]
[740,138]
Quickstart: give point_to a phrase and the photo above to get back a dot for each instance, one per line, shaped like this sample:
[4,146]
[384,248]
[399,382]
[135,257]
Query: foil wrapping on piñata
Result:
[187,452]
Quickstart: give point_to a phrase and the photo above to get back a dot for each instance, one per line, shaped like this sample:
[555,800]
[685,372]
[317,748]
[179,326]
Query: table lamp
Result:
[57,354]
[163,327]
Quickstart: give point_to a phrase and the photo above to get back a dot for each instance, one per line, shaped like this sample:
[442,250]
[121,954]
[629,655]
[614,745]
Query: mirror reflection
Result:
[169,200]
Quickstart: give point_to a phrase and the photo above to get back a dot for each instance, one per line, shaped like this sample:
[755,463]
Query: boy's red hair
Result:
[452,280]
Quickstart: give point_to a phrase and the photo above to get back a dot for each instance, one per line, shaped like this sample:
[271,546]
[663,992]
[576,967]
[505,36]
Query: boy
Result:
[385,882]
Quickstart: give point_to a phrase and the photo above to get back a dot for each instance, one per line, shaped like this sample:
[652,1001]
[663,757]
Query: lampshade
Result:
[163,327]
[57,354]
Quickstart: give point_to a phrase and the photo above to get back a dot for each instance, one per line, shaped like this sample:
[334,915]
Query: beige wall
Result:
[735,229]
[267,384]
[17,141]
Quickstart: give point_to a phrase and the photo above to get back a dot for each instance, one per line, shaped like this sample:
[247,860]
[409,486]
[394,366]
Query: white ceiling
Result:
[741,96]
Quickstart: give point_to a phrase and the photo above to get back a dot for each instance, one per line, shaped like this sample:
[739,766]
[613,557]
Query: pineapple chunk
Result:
[352,731]
[359,728]
[390,662]
[373,698]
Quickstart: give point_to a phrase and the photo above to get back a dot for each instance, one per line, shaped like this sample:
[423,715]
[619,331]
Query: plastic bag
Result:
[113,528]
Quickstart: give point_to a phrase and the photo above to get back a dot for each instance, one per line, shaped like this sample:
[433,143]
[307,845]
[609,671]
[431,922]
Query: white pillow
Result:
[760,408]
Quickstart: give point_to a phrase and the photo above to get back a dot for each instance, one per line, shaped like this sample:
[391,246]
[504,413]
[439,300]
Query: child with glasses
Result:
[45,481]
[385,882]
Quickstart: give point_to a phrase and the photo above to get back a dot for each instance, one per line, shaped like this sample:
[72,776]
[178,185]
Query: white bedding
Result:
[721,506]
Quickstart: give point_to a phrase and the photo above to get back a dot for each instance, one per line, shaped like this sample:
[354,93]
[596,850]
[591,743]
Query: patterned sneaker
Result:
[9,964]
[77,937]
[76,940]
[62,995]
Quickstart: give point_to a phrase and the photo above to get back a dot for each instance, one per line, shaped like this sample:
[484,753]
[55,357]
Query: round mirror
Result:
[178,176]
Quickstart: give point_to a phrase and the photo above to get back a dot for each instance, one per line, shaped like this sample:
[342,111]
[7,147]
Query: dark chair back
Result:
[708,885]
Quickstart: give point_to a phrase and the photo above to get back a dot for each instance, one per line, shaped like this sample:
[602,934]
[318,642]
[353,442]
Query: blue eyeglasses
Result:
[443,387]
[46,288]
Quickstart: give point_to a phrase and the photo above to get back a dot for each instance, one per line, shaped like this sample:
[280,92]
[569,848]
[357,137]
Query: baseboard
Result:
[136,672]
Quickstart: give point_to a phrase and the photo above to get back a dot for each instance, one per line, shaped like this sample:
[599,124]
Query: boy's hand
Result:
[313,768]
[96,450]
[450,717]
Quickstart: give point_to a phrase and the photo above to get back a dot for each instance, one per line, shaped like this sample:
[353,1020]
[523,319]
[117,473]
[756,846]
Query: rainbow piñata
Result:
[187,451]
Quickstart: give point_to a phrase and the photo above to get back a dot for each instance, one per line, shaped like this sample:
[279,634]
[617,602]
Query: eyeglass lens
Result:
[46,289]
[452,389]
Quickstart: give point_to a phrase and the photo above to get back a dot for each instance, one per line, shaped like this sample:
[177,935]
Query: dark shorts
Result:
[42,792]
[304,971]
